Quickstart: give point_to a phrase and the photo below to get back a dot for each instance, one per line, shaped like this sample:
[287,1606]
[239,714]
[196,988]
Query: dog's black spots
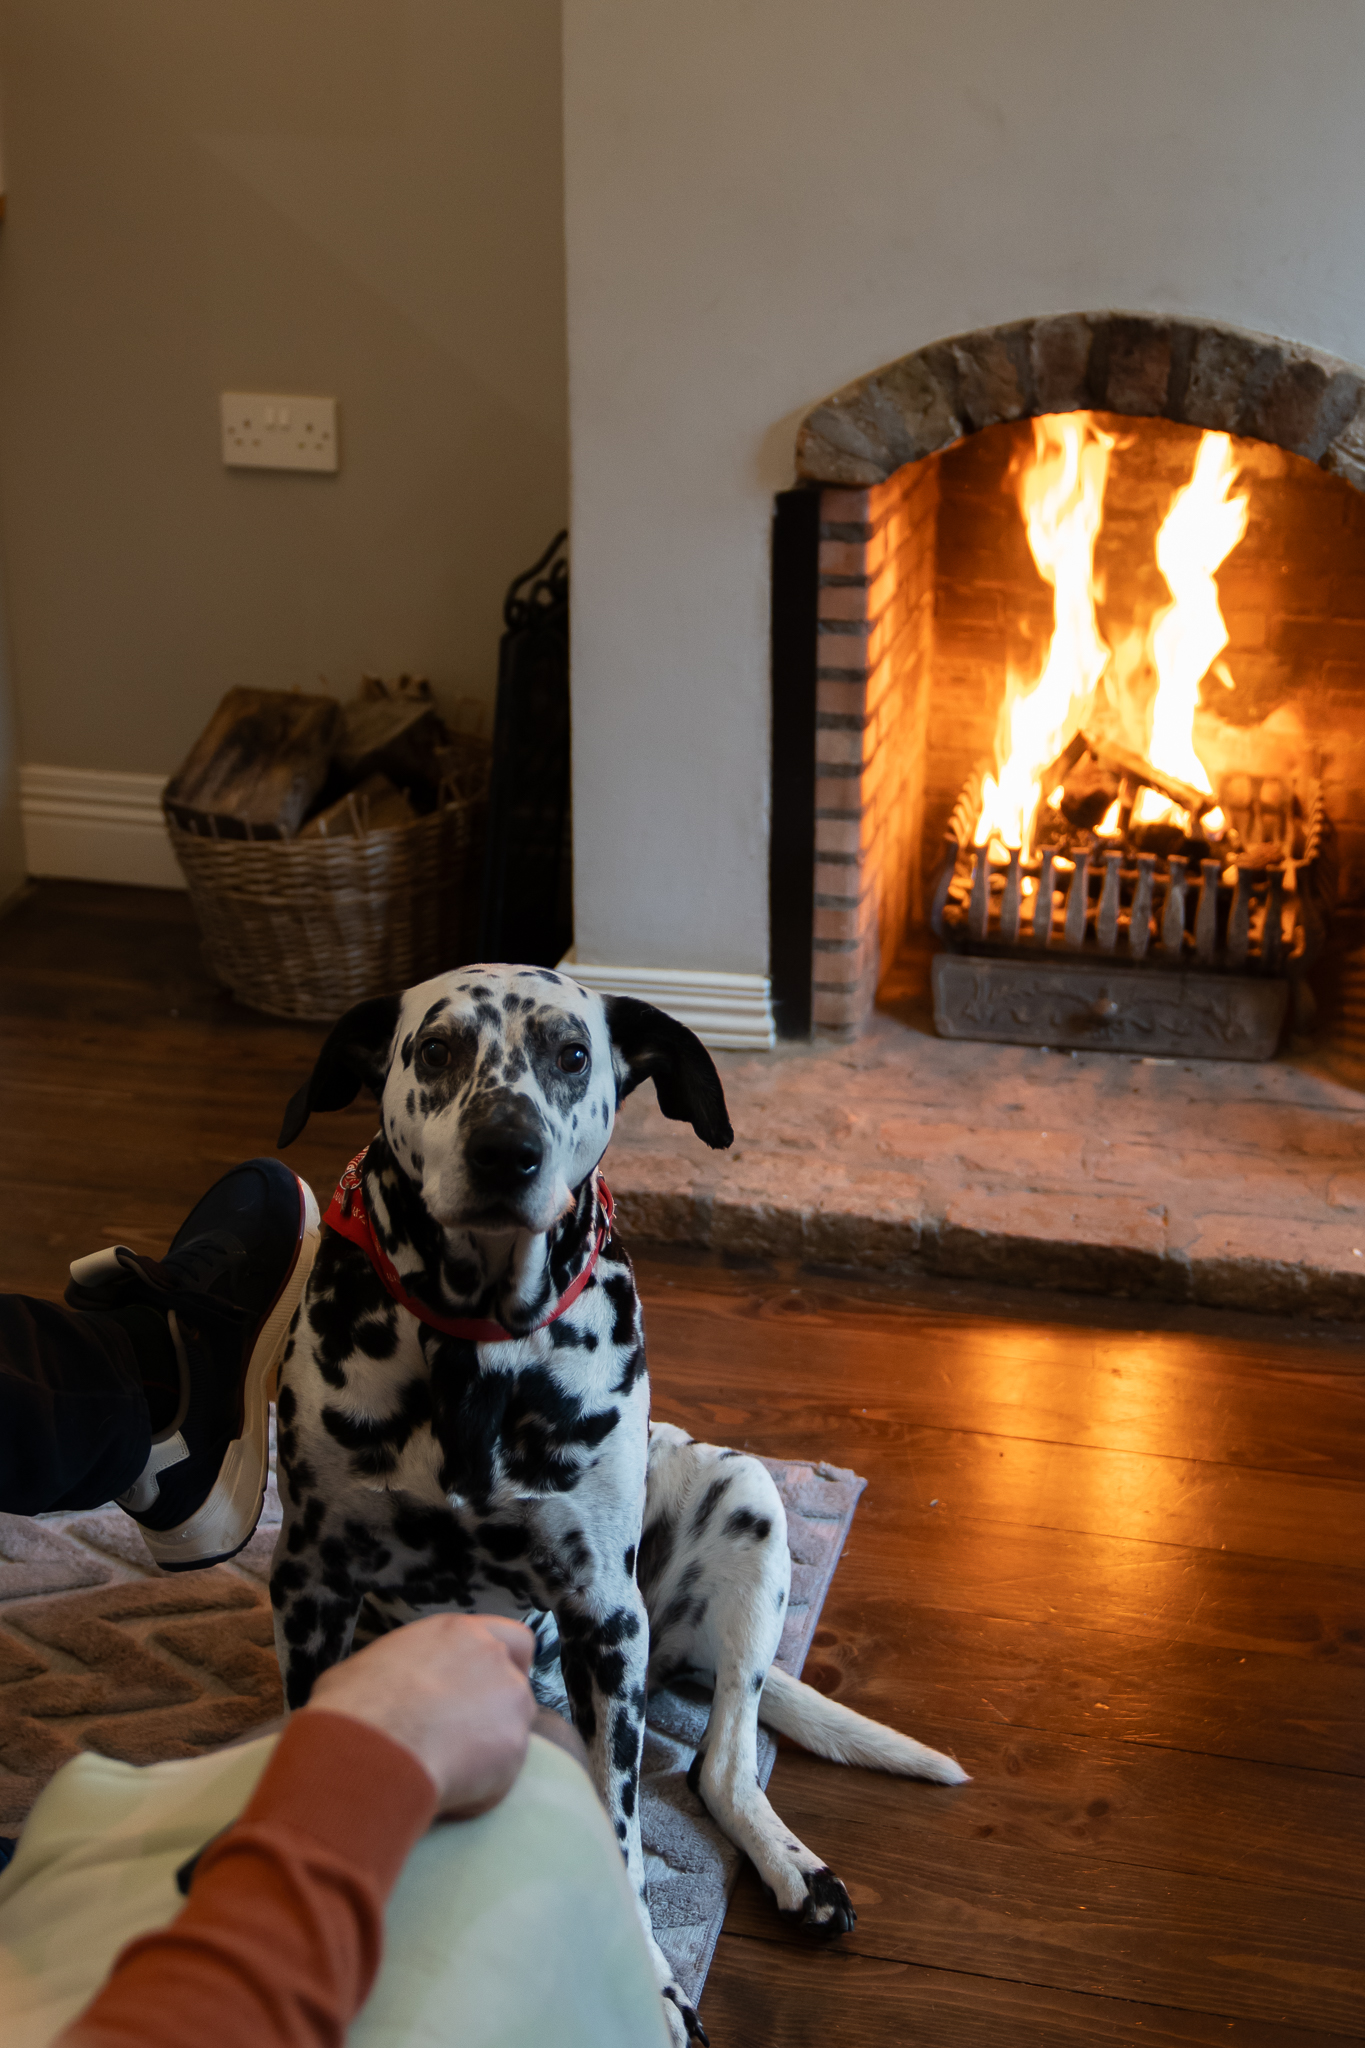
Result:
[515,1064]
[335,1555]
[656,1548]
[710,1501]
[301,1620]
[286,1578]
[620,1292]
[631,1370]
[461,1276]
[627,1795]
[828,1910]
[781,1598]
[744,1522]
[389,1433]
[418,1161]
[302,1676]
[511,1004]
[578,1685]
[344,1291]
[286,1443]
[620,1627]
[302,1476]
[694,1773]
[405,1055]
[732,1454]
[629,1561]
[621,1830]
[376,1339]
[759,1680]
[625,1742]
[332,1372]
[443,1552]
[304,1534]
[679,1608]
[438,1009]
[288,1351]
[564,1337]
[503,1540]
[515,1583]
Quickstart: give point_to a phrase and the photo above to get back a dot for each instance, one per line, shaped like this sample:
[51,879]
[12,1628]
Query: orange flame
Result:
[1199,532]
[1061,496]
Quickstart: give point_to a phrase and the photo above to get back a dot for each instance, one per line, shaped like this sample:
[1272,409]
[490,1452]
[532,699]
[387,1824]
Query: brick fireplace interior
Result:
[926,595]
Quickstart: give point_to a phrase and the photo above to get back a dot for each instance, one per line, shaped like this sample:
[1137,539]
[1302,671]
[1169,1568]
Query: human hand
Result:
[454,1690]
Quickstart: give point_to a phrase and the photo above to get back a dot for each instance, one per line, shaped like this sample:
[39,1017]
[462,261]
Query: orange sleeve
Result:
[280,1940]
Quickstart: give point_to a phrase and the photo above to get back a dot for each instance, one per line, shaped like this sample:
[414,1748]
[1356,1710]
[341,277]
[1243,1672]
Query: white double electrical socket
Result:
[262,430]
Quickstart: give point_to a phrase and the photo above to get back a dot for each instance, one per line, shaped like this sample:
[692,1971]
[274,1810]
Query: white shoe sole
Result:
[226,1520]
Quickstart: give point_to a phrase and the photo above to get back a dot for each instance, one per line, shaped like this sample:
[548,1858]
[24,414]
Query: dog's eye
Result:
[573,1059]
[434,1052]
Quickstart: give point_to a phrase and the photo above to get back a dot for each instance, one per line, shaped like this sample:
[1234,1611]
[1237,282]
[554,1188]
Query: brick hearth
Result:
[1204,1181]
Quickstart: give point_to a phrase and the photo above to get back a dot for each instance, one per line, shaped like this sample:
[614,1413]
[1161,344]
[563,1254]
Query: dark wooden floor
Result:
[1113,1559]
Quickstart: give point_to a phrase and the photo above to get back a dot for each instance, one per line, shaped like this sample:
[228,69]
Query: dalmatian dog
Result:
[463,1409]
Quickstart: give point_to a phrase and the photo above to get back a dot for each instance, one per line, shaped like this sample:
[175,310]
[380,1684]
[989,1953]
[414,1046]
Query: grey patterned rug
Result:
[691,1865]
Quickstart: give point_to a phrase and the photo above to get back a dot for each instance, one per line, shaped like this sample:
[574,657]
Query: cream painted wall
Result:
[350,196]
[766,198]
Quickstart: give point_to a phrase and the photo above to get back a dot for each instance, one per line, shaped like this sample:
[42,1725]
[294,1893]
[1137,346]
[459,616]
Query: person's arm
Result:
[280,1940]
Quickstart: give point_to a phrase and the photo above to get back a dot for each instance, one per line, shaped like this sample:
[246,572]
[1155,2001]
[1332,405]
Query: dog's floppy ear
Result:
[354,1057]
[652,1046]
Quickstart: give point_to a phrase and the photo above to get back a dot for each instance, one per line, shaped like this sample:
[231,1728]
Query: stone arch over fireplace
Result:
[1197,372]
[866,515]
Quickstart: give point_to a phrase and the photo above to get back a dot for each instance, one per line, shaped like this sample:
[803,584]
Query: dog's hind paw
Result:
[687,2014]
[828,1910]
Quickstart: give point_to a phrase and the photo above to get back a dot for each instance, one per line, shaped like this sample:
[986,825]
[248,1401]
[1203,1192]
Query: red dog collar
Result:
[349,1217]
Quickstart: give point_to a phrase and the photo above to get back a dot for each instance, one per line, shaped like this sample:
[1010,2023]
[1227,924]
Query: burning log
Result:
[1132,768]
[1259,909]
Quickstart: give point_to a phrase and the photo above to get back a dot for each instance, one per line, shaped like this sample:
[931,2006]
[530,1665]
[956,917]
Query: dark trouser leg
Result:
[74,1425]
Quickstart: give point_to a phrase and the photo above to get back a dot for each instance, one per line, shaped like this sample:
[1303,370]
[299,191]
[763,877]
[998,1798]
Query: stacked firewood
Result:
[277,764]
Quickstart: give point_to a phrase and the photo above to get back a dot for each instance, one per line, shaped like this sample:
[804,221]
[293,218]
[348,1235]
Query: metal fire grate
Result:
[1190,951]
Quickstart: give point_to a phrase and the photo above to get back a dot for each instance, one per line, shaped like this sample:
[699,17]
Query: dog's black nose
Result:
[505,1155]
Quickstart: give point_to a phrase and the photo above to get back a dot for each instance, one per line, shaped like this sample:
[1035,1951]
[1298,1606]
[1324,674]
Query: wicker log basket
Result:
[305,927]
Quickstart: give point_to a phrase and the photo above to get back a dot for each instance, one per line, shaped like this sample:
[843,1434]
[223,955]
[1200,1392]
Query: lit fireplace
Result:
[1114,828]
[1069,664]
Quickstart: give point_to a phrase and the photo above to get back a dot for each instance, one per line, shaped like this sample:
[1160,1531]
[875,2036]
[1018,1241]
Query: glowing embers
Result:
[1263,910]
[1103,739]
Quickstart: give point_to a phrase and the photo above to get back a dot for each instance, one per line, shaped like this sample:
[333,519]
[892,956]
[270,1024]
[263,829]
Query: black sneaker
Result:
[228,1287]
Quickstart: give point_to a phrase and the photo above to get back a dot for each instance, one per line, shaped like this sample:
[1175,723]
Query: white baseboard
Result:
[728,1012]
[92,825]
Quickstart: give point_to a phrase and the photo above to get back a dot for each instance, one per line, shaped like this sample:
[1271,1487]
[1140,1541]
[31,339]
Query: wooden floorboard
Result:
[1111,1556]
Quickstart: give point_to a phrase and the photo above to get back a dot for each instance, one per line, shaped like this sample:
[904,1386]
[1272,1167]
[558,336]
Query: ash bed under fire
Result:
[1096,890]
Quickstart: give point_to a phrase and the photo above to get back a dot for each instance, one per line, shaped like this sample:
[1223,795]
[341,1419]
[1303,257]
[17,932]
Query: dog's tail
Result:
[827,1729]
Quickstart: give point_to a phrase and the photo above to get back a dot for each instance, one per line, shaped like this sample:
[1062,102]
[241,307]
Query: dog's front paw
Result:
[684,2022]
[828,1909]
